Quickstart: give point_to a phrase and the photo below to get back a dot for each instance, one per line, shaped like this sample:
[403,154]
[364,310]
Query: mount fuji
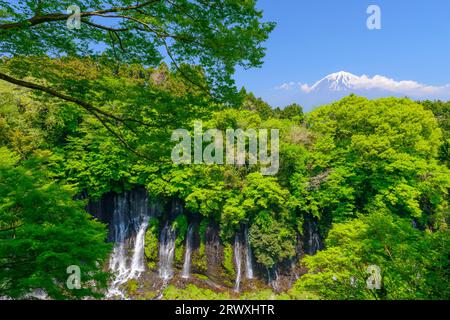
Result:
[337,85]
[336,82]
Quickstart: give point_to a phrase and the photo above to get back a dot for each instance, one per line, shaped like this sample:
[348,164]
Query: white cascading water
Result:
[273,280]
[123,268]
[117,261]
[166,252]
[188,252]
[238,262]
[248,256]
[137,262]
[314,239]
[118,267]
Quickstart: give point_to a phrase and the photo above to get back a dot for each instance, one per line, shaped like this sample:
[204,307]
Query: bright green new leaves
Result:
[43,231]
[376,154]
[266,207]
[366,170]
[152,243]
[218,35]
[441,110]
[413,264]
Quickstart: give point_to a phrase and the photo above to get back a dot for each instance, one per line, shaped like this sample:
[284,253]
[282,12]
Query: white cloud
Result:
[294,85]
[406,86]
[287,86]
[305,88]
[366,83]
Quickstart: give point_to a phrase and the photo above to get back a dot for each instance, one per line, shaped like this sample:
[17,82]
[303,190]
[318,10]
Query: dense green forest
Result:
[373,173]
[373,176]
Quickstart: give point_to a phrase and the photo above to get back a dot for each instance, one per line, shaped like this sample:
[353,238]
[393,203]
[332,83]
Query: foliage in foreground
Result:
[413,264]
[43,231]
[193,292]
[366,167]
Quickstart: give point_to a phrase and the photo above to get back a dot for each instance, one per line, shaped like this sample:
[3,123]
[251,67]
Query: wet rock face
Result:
[113,209]
[125,215]
[214,253]
[312,241]
[102,209]
[175,208]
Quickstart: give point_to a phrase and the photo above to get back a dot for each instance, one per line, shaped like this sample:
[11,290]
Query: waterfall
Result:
[293,271]
[315,242]
[238,261]
[273,279]
[166,252]
[137,262]
[313,238]
[118,259]
[239,246]
[188,251]
[129,218]
[248,256]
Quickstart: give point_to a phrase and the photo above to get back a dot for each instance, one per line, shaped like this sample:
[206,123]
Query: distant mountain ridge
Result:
[338,81]
[337,85]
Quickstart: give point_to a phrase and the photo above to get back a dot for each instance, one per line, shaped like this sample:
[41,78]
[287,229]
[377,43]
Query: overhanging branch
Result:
[11,228]
[39,19]
[101,115]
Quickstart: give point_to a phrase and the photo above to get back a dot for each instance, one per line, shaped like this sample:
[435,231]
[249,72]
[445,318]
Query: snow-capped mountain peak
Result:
[338,81]
[337,85]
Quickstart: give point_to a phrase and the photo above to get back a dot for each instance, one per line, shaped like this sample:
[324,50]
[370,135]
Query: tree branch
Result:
[39,19]
[99,26]
[120,41]
[11,228]
[184,75]
[96,112]
[159,33]
[88,107]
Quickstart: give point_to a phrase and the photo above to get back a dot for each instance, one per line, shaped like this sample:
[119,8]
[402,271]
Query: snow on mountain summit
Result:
[338,81]
[337,85]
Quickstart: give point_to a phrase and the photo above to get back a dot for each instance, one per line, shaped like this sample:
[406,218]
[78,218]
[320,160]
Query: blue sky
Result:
[315,38]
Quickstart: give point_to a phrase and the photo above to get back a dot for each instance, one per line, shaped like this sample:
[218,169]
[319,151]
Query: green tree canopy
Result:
[375,154]
[43,231]
[413,264]
[292,111]
[217,36]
